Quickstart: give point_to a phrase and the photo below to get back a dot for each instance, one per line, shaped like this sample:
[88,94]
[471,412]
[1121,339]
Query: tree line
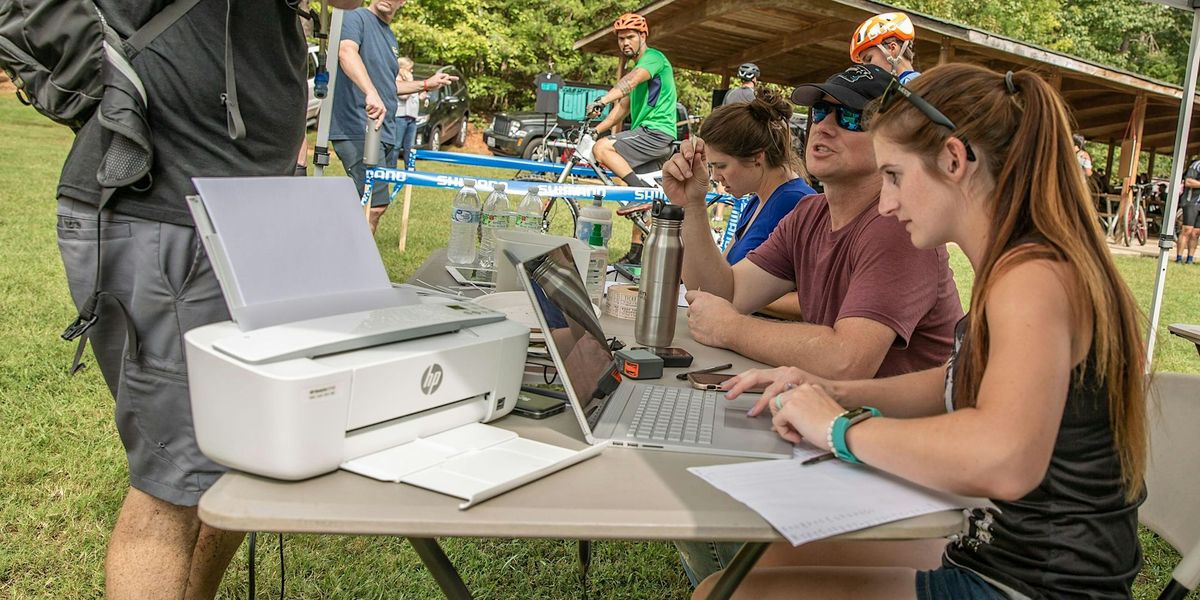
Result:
[500,45]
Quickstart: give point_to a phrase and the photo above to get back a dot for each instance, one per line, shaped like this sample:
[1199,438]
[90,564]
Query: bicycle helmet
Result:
[747,72]
[632,21]
[879,28]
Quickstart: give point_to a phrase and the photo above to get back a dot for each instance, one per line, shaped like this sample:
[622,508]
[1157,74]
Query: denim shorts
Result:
[954,583]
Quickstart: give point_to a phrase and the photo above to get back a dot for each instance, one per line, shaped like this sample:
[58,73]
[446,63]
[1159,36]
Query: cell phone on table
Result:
[535,406]
[713,381]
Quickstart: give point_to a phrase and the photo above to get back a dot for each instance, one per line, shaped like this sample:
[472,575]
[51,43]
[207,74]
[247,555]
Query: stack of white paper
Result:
[806,503]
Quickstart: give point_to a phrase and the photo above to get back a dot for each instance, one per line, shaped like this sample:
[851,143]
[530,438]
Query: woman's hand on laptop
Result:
[775,381]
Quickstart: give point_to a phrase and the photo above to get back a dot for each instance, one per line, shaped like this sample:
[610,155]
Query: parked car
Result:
[444,112]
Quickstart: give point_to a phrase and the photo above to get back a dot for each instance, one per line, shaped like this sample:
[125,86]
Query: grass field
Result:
[62,471]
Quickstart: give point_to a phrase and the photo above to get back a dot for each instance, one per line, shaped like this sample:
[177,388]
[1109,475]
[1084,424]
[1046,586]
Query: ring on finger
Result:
[779,402]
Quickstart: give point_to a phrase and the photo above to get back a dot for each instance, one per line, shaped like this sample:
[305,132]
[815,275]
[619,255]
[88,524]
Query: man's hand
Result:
[685,175]
[710,318]
[438,80]
[595,108]
[375,109]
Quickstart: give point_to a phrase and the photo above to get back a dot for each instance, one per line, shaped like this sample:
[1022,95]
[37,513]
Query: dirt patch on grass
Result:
[6,84]
[475,143]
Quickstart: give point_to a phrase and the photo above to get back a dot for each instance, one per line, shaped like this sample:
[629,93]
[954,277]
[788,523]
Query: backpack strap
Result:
[158,24]
[118,54]
[233,115]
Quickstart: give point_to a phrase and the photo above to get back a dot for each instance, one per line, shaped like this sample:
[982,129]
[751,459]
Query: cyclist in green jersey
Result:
[647,94]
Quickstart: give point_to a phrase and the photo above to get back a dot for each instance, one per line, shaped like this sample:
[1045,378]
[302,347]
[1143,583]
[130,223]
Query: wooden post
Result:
[946,52]
[1131,149]
[1150,164]
[404,217]
[1112,146]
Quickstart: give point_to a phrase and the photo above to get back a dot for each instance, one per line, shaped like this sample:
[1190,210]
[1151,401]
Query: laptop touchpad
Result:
[738,420]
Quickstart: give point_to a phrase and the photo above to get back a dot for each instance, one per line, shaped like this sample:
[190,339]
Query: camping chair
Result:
[1172,484]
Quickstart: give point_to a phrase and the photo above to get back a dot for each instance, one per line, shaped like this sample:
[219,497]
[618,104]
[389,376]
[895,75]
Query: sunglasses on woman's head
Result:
[847,118]
[895,90]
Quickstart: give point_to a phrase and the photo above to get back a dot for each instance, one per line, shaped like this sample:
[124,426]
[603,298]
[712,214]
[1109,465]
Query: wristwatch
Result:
[841,424]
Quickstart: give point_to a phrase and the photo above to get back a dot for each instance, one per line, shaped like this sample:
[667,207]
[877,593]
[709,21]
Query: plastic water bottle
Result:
[529,211]
[597,264]
[592,215]
[496,215]
[464,225]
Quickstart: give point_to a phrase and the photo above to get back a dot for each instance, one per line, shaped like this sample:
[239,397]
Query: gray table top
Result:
[1188,332]
[621,494]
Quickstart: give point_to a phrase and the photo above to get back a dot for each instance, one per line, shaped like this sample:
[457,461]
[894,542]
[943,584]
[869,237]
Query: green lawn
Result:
[62,468]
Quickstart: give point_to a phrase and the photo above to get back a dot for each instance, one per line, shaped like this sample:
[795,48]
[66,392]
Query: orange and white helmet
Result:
[632,21]
[877,29]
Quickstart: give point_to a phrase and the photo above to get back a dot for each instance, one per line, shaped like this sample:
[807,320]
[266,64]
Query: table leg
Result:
[737,570]
[442,569]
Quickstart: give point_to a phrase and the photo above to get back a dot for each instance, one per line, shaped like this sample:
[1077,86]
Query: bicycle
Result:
[577,145]
[1134,218]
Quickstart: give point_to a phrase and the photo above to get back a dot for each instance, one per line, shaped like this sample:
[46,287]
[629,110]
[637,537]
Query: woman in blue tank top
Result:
[1041,407]
[749,150]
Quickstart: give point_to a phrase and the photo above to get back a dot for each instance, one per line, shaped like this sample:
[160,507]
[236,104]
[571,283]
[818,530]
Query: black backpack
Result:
[70,65]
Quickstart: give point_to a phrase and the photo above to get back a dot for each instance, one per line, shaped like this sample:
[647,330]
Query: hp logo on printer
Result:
[431,379]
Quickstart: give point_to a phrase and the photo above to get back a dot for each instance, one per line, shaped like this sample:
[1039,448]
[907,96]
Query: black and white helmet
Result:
[747,72]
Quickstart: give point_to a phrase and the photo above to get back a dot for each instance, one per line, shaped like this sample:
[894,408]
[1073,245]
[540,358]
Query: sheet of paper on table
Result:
[807,503]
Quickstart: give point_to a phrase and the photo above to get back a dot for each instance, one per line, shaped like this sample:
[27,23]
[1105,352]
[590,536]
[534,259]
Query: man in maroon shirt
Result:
[873,304]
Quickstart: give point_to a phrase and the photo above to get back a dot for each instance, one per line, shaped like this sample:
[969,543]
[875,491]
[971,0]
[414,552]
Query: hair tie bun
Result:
[1008,83]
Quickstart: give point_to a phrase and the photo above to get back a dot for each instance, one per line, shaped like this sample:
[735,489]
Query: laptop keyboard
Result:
[669,414]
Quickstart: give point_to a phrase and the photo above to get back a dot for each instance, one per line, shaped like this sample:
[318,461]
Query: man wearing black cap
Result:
[873,304]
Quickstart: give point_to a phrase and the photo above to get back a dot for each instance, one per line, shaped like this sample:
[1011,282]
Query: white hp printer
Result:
[326,364]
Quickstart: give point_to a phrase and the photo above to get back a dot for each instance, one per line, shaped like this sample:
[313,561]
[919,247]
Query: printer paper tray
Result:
[474,462]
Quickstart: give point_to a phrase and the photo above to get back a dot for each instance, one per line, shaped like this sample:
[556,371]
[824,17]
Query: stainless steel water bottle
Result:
[662,266]
[372,147]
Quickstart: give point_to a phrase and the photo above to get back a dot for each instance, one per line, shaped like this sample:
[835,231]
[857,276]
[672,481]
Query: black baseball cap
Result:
[854,87]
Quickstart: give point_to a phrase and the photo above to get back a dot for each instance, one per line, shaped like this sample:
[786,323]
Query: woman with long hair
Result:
[1041,407]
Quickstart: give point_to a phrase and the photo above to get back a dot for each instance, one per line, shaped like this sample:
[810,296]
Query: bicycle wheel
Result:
[1140,226]
[559,216]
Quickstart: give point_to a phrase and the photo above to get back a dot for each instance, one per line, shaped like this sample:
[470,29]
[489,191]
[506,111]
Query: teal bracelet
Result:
[842,424]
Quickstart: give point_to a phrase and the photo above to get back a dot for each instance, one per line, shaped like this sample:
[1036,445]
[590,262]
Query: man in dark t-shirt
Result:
[154,265]
[873,304]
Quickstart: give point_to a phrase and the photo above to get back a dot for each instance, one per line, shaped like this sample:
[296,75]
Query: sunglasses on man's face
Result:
[896,90]
[847,118]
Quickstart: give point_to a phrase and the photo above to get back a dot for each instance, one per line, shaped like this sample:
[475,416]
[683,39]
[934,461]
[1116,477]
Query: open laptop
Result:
[629,414]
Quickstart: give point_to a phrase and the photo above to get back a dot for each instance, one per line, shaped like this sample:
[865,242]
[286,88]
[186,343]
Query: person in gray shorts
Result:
[156,282]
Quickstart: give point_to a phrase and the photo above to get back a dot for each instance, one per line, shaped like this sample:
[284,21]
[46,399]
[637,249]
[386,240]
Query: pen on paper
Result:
[818,459]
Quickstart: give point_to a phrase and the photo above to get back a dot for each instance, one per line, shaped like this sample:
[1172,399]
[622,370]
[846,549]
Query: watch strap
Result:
[842,424]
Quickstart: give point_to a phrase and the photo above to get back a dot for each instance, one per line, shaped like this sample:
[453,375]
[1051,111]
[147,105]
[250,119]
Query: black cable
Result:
[585,562]
[250,559]
[282,577]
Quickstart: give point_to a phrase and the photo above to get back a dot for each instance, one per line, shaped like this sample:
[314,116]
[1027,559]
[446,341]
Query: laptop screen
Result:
[573,332]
